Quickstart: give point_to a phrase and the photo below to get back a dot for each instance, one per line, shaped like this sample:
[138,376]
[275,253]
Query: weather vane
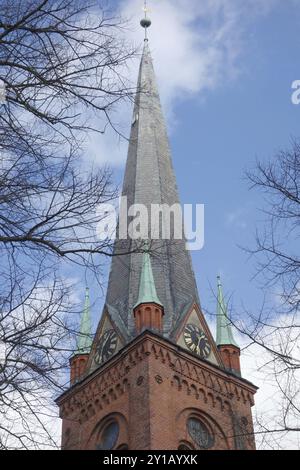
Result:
[146,22]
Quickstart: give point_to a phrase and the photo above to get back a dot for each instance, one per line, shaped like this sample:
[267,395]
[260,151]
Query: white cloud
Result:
[196,46]
[107,148]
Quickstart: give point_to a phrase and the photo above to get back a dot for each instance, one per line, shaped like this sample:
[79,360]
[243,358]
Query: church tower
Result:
[154,378]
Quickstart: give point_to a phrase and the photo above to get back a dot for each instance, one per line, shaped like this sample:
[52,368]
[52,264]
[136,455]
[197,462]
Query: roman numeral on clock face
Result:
[196,340]
[107,346]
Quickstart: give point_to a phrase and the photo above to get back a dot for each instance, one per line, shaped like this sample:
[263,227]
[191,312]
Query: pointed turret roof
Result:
[147,290]
[84,339]
[149,179]
[224,331]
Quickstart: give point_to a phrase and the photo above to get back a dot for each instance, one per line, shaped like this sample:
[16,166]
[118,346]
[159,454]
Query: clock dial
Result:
[196,341]
[106,346]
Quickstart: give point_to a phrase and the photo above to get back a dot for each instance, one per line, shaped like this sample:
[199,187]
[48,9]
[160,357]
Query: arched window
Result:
[200,433]
[198,430]
[108,436]
[111,432]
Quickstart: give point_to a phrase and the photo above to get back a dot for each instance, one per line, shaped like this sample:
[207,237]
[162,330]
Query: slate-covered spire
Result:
[147,290]
[224,331]
[84,339]
[149,179]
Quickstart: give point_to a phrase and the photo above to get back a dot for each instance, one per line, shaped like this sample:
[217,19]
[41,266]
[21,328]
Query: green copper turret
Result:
[224,331]
[147,289]
[85,338]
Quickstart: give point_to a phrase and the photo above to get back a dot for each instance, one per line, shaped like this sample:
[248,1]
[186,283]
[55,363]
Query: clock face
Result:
[106,346]
[196,341]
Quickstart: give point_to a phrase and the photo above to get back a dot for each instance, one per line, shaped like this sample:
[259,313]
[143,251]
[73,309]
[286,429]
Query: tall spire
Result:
[149,179]
[224,331]
[84,340]
[147,290]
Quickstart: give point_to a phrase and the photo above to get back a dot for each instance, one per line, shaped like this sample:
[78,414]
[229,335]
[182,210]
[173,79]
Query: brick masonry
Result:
[151,388]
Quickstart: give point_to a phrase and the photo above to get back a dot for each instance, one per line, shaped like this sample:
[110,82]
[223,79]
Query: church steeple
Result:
[149,180]
[155,378]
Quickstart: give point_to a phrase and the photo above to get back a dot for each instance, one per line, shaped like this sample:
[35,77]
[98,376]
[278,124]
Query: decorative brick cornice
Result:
[109,382]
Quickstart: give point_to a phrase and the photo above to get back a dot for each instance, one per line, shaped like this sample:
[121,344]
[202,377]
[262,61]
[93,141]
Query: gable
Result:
[108,341]
[194,335]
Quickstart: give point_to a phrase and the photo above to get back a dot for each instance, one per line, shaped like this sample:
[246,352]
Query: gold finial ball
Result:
[145,23]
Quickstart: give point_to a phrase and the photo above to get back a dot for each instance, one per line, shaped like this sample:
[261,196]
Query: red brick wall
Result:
[148,316]
[231,357]
[151,388]
[78,365]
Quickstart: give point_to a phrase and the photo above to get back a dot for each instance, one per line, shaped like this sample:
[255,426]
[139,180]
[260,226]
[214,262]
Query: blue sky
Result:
[222,135]
[225,70]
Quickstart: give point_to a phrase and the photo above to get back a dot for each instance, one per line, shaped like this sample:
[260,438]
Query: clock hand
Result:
[107,339]
[101,347]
